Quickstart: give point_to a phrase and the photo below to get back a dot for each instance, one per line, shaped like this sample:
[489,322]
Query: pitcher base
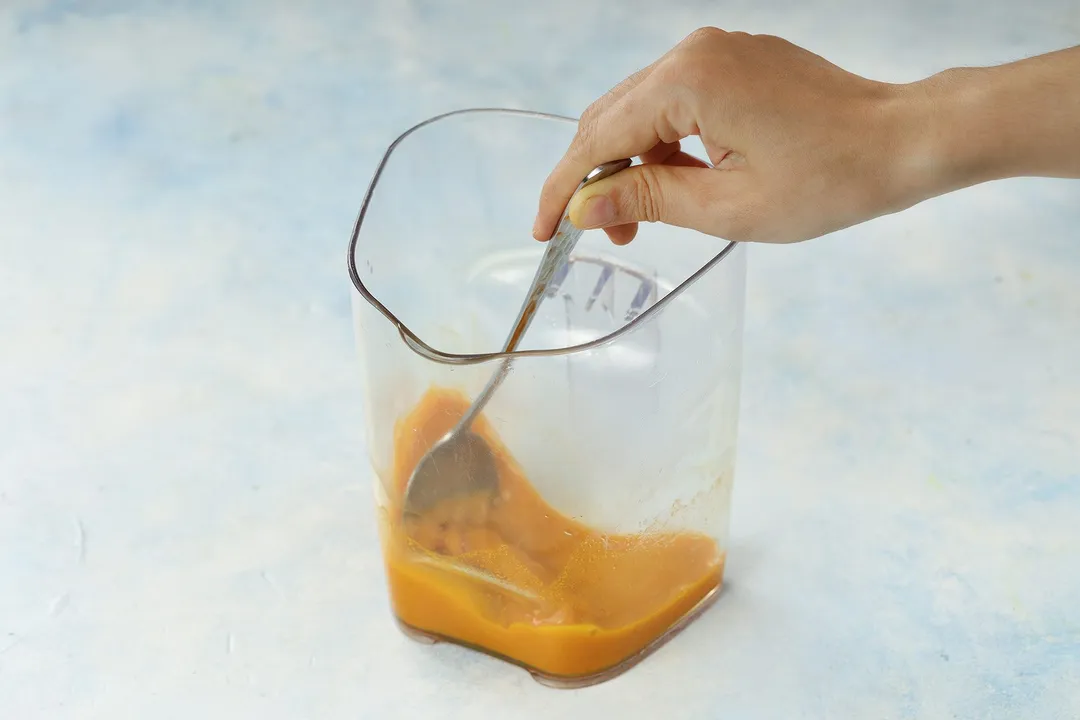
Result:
[579,681]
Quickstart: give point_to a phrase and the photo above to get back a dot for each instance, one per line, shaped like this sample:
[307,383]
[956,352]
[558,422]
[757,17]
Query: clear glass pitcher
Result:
[614,433]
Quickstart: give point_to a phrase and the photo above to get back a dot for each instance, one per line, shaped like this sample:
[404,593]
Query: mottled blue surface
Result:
[185,513]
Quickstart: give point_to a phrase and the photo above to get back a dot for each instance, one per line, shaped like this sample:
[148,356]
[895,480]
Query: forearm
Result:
[972,125]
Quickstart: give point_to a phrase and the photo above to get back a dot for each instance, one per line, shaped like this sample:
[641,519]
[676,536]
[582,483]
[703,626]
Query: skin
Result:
[799,147]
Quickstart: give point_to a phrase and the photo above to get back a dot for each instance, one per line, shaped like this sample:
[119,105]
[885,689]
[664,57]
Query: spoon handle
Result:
[556,254]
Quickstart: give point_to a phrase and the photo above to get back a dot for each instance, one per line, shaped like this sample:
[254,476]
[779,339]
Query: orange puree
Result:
[524,582]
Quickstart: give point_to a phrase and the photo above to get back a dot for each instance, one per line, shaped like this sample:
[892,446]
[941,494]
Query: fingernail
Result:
[598,211]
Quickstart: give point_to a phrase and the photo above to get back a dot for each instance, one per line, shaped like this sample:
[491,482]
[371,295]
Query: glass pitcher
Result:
[614,433]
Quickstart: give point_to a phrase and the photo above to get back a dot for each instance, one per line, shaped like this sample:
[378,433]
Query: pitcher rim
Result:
[422,348]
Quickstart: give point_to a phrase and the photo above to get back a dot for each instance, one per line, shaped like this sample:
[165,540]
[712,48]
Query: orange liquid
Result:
[522,581]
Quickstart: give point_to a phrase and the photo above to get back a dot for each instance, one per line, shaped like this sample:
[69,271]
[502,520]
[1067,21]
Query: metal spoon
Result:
[460,464]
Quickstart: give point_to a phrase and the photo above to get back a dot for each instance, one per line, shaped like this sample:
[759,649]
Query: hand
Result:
[800,147]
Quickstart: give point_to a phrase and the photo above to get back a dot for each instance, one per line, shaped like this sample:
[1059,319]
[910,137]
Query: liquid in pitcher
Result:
[520,581]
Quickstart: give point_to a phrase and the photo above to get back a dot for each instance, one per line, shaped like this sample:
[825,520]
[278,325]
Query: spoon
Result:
[460,465]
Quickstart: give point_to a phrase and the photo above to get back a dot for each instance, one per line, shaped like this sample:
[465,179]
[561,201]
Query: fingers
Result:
[623,234]
[681,159]
[682,193]
[617,92]
[647,115]
[667,153]
[661,152]
[551,212]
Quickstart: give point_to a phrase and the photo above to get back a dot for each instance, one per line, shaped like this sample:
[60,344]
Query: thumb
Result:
[690,197]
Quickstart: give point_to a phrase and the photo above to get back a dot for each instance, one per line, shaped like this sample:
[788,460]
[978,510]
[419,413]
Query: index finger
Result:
[627,128]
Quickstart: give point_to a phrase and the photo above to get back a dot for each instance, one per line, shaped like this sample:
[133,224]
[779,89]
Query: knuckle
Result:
[693,66]
[668,74]
[648,194]
[766,39]
[694,85]
[671,70]
[705,35]
[584,137]
[770,43]
[678,98]
[588,117]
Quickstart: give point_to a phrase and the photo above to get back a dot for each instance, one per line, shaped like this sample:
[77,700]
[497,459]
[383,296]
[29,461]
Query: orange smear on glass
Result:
[525,582]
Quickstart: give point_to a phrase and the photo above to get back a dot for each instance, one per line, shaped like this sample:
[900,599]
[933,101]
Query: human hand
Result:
[801,147]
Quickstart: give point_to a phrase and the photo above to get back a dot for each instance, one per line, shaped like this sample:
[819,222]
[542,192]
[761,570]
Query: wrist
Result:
[941,140]
[967,126]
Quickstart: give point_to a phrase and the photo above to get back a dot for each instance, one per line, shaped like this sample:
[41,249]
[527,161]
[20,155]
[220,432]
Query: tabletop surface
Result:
[186,523]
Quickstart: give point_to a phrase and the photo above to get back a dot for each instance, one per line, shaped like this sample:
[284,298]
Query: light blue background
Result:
[185,508]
